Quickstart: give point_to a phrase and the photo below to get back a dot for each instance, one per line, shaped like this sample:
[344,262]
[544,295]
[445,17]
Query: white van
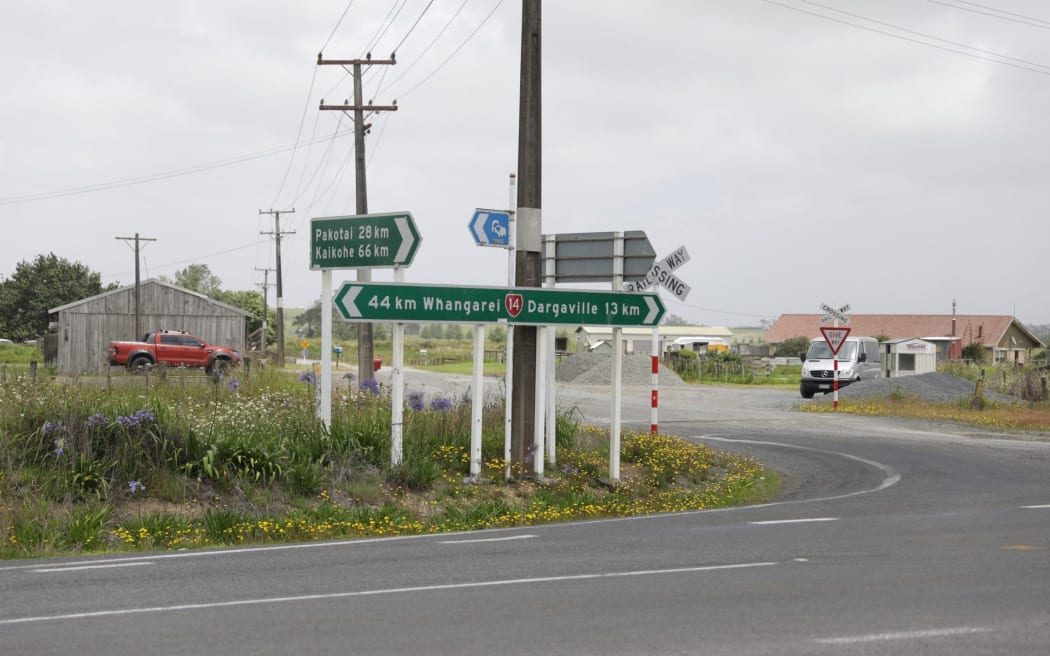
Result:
[858,358]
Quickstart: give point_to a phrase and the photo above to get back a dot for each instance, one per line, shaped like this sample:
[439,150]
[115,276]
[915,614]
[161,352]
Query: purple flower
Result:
[140,417]
[97,419]
[53,428]
[415,401]
[135,486]
[234,386]
[307,377]
[441,404]
[370,385]
[60,446]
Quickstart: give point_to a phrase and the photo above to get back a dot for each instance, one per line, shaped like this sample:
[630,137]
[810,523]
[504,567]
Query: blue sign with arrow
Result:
[491,228]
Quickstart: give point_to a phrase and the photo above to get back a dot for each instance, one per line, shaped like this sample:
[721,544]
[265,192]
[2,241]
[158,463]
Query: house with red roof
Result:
[1004,338]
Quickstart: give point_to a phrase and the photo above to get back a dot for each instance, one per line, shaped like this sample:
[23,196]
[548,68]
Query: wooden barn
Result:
[84,329]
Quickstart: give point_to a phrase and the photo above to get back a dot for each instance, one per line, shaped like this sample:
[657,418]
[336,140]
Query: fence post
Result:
[32,371]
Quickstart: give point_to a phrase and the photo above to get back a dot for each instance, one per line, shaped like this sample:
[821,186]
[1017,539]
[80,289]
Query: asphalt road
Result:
[892,538]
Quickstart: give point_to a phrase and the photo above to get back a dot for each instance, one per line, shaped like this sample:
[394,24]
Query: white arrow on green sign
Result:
[513,305]
[366,241]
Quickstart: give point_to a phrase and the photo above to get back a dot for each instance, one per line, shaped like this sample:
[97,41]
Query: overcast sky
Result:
[889,154]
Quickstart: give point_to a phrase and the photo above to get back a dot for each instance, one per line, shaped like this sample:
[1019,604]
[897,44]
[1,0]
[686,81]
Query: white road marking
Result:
[509,537]
[805,520]
[371,593]
[1047,505]
[891,479]
[77,568]
[904,635]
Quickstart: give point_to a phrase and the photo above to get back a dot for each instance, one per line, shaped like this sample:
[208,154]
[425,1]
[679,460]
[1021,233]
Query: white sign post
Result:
[835,336]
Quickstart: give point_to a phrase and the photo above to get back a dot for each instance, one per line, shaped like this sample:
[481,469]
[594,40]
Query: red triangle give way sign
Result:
[834,337]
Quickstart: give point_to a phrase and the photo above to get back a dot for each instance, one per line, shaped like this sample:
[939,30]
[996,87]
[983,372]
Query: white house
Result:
[639,340]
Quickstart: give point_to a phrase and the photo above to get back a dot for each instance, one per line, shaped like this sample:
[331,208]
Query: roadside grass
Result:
[1031,413]
[16,357]
[91,467]
[465,368]
[992,416]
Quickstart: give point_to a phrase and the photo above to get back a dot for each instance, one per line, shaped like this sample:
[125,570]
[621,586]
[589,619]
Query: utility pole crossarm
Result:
[350,108]
[321,61]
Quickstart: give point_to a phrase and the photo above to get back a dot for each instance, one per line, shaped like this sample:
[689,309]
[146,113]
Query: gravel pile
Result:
[935,387]
[596,369]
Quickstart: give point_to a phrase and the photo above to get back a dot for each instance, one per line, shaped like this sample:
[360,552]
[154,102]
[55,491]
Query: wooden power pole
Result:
[138,281]
[527,271]
[280,286]
[266,311]
[365,344]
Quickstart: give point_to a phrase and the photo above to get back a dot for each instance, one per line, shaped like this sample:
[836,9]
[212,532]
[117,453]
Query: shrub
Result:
[974,351]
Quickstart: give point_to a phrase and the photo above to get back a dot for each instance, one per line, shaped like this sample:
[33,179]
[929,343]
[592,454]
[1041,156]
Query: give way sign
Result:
[834,337]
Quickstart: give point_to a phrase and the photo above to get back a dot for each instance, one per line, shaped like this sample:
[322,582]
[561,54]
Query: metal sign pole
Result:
[542,334]
[477,402]
[617,368]
[397,384]
[551,423]
[324,409]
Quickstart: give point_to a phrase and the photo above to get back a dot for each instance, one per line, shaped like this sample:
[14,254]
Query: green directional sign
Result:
[373,301]
[367,241]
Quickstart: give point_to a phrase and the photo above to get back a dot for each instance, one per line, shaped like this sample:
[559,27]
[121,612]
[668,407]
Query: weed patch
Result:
[85,468]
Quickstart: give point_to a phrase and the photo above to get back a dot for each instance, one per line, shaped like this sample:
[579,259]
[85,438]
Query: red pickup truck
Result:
[174,348]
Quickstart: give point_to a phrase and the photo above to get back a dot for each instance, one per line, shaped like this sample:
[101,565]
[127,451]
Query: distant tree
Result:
[791,347]
[199,278]
[674,320]
[882,338]
[308,324]
[35,287]
[251,301]
[454,331]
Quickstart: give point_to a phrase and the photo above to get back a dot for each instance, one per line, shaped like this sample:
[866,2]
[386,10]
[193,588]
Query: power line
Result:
[391,16]
[195,259]
[427,49]
[904,38]
[306,108]
[298,136]
[1000,14]
[454,52]
[336,28]
[103,186]
[924,35]
[410,30]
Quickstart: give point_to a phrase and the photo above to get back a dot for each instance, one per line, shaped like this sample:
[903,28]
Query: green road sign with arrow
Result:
[367,241]
[517,305]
